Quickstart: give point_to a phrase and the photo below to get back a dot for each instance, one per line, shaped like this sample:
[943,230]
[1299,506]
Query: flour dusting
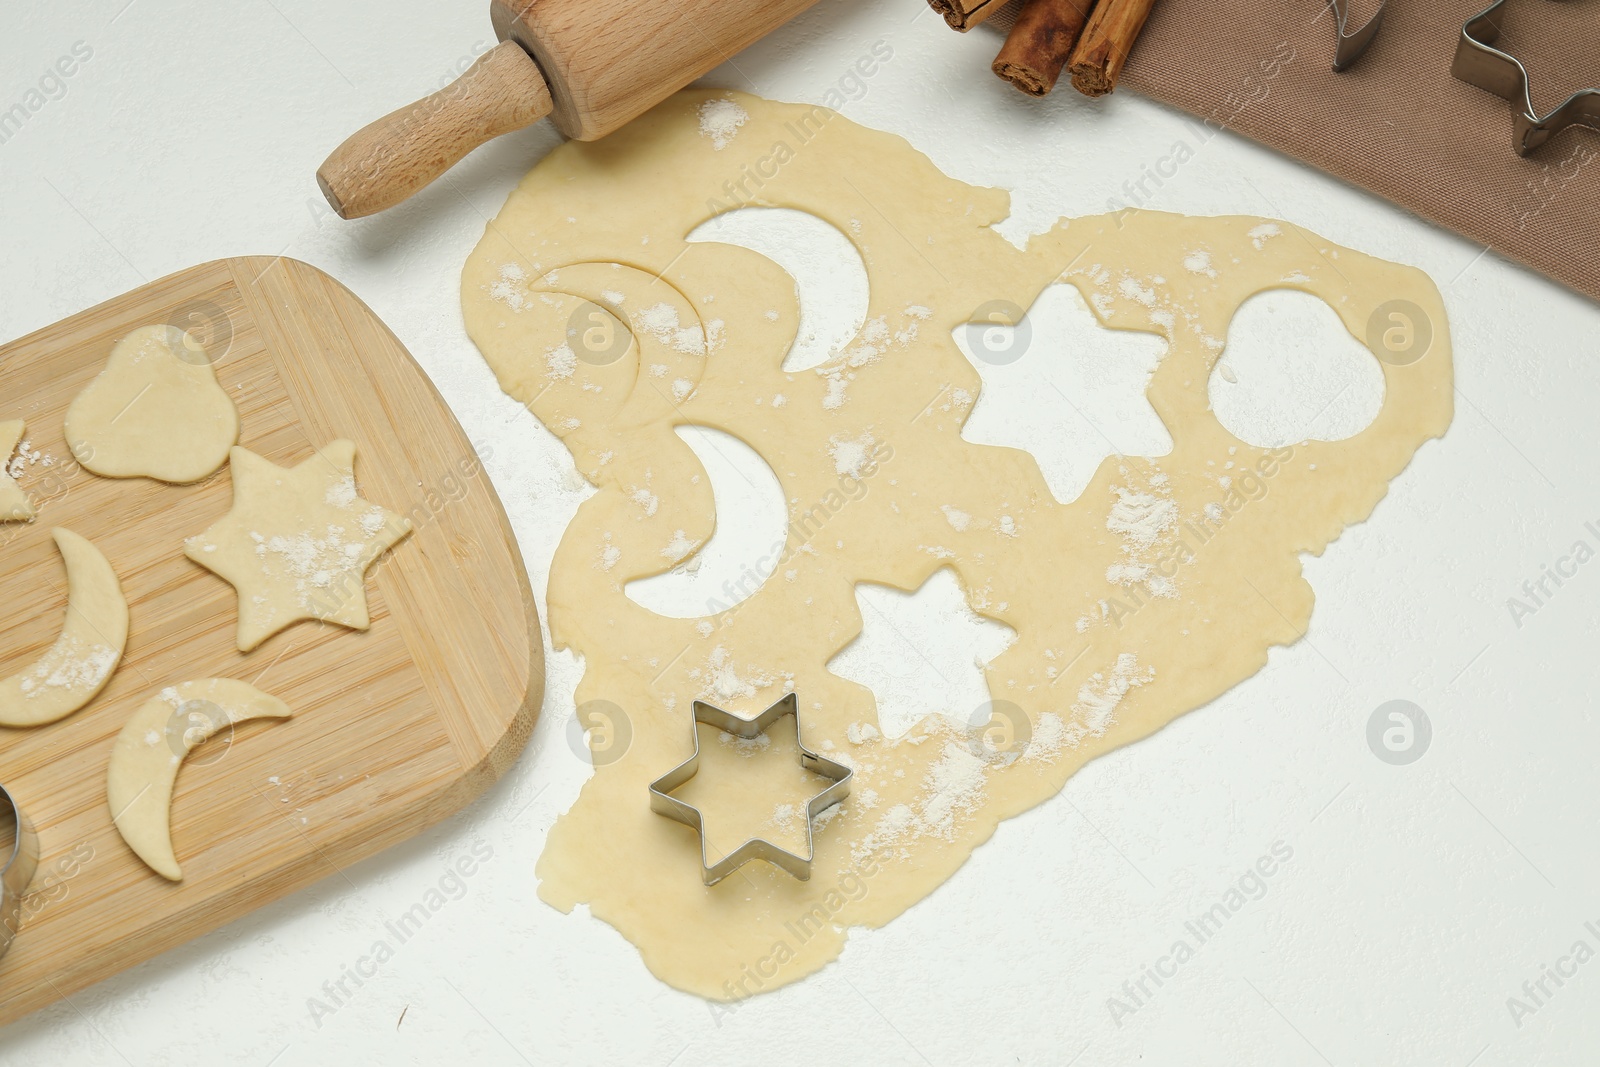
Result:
[851,454]
[720,120]
[1140,517]
[71,663]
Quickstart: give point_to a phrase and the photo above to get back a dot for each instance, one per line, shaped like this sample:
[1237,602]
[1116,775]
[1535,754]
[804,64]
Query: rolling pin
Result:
[591,65]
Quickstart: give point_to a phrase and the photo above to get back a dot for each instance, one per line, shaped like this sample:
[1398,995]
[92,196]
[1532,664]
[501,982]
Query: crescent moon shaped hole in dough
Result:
[74,669]
[1163,582]
[155,411]
[827,270]
[739,557]
[151,747]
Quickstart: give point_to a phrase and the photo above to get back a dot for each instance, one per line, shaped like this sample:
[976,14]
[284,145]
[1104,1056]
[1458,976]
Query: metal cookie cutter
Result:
[663,803]
[18,869]
[1478,63]
[1352,46]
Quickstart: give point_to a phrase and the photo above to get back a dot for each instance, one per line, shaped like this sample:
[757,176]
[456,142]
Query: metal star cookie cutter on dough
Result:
[663,803]
[17,870]
[1479,63]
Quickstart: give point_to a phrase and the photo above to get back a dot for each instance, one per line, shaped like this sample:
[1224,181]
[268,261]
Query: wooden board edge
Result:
[498,757]
[425,810]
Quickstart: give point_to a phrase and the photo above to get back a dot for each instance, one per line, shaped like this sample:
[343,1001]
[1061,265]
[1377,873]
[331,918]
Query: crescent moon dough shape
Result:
[155,411]
[14,505]
[74,670]
[147,753]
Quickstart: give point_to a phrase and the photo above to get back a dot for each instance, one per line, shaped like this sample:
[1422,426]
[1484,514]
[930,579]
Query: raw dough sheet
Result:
[1163,584]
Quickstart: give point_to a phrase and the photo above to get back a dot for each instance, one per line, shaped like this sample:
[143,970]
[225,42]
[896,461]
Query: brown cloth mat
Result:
[1397,123]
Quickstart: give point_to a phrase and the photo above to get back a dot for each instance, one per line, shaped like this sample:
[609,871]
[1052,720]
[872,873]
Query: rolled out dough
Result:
[1161,586]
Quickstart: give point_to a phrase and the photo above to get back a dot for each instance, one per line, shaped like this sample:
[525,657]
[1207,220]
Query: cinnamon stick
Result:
[964,14]
[1038,45]
[1105,44]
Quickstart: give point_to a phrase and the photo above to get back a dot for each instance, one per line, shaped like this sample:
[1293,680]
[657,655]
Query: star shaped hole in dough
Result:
[922,653]
[297,542]
[1064,388]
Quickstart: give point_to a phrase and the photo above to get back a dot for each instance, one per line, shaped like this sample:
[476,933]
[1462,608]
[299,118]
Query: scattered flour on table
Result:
[26,457]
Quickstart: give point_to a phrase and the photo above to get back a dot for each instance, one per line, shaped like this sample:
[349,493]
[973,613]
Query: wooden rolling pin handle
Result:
[388,160]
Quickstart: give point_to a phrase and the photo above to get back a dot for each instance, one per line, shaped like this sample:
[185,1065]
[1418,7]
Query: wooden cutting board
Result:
[394,728]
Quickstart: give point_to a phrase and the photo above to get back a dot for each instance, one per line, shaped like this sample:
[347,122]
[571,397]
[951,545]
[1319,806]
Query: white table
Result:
[1418,899]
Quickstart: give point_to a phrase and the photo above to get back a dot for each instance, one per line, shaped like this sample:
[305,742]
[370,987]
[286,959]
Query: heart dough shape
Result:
[147,753]
[155,411]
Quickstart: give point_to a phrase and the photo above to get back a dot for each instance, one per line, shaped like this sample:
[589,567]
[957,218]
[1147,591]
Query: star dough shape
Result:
[14,505]
[298,542]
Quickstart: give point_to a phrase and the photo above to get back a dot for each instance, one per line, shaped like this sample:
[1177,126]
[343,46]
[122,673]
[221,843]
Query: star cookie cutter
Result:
[1479,63]
[1352,46]
[18,869]
[663,803]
